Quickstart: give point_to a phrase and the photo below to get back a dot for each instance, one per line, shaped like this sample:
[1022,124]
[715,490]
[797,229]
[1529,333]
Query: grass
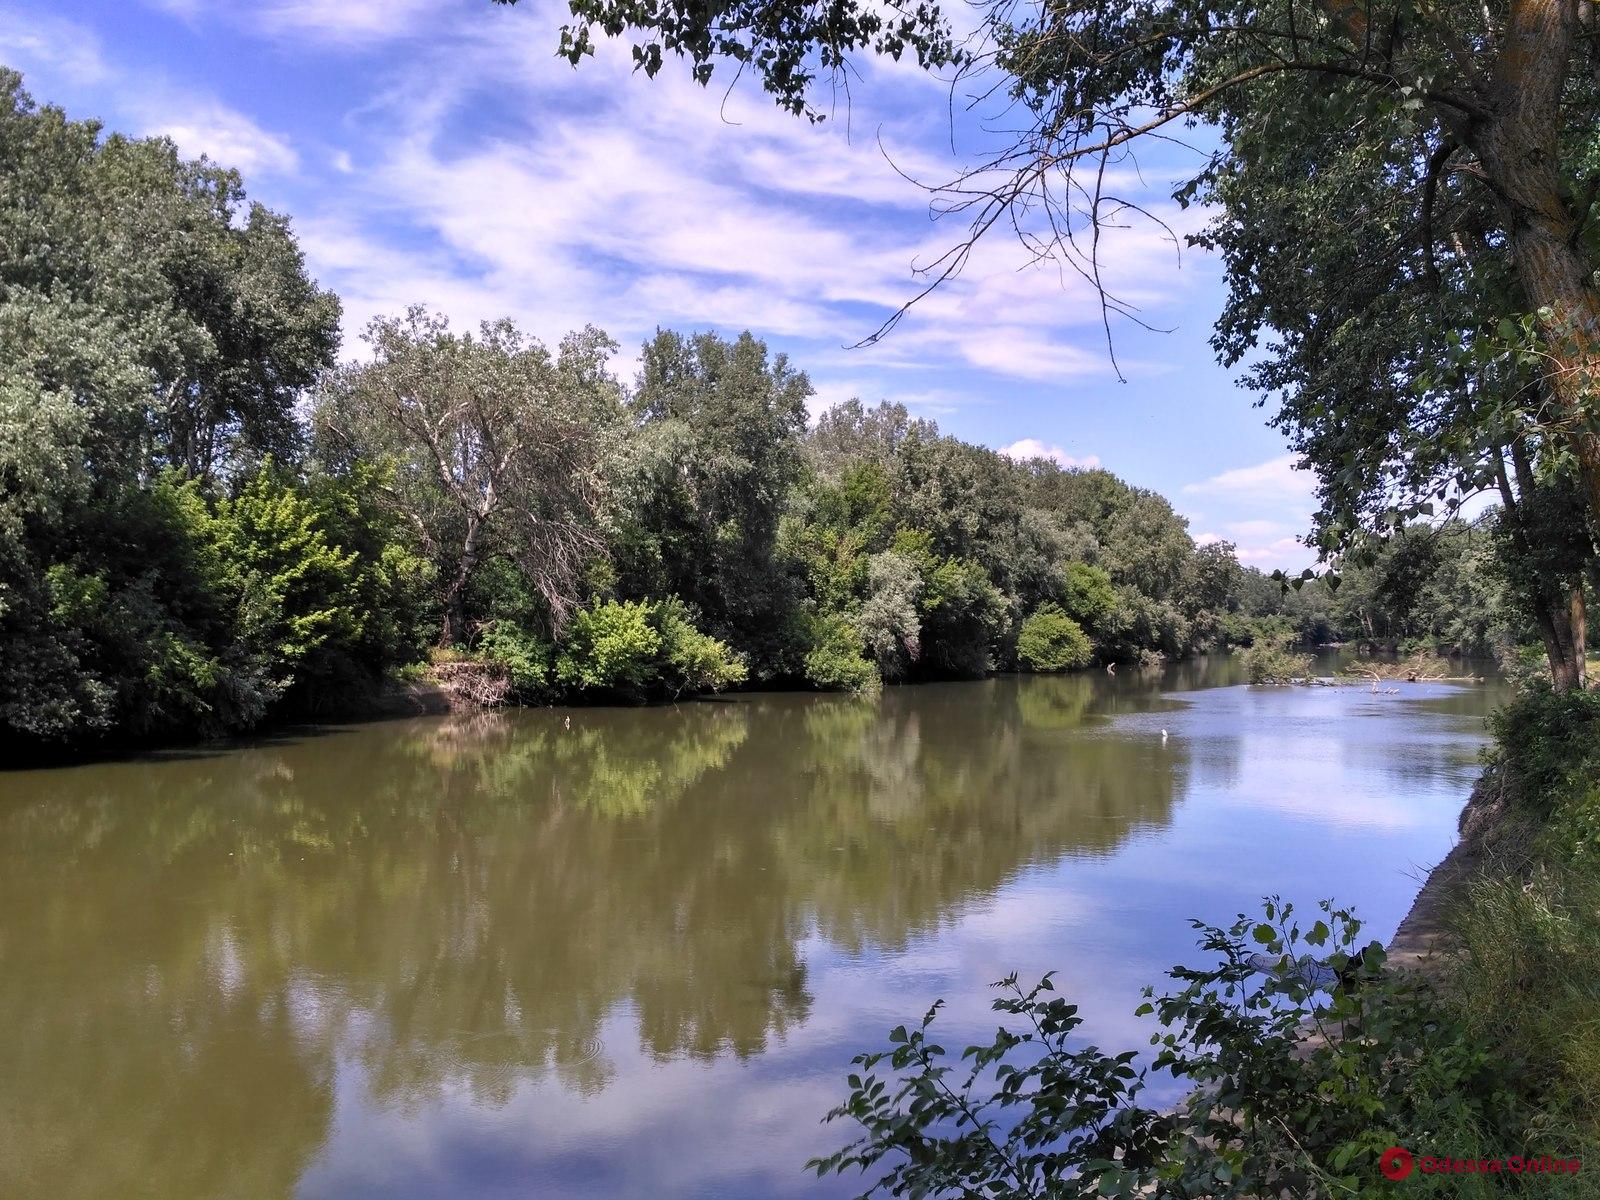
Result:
[1524,974]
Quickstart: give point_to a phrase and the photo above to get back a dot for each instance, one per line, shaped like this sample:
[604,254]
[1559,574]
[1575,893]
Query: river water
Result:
[631,956]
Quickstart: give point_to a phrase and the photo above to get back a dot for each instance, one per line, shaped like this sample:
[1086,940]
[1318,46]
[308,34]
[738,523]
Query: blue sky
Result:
[436,151]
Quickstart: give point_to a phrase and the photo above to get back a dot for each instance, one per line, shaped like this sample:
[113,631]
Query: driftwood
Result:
[472,685]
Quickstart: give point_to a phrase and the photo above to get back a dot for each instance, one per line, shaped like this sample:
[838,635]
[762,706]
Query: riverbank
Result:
[1506,929]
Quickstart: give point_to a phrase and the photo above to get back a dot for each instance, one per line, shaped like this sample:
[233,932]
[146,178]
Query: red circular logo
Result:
[1395,1163]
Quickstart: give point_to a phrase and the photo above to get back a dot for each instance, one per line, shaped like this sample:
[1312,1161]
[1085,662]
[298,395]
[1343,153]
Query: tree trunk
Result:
[1580,633]
[454,627]
[1566,667]
[1520,154]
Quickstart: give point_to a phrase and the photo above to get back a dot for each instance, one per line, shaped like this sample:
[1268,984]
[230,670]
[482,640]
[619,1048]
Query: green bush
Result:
[639,649]
[1303,1073]
[1526,927]
[1270,662]
[835,660]
[610,647]
[1052,641]
[692,661]
[294,594]
[527,659]
[1548,744]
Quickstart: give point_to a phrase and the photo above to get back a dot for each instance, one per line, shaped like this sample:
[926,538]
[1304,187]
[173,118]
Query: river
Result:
[629,952]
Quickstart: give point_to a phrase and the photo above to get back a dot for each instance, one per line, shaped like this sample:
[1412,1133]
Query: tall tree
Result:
[708,475]
[1423,172]
[497,448]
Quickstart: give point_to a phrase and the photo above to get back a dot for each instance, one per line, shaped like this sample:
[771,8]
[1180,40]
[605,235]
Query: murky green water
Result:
[501,957]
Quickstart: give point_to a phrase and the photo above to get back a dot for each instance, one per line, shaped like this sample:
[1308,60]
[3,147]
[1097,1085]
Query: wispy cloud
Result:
[1028,448]
[222,134]
[29,40]
[1277,479]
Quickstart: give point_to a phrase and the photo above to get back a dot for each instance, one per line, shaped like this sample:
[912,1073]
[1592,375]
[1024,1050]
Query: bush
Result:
[1525,927]
[1274,1110]
[1052,641]
[638,649]
[835,660]
[611,647]
[1548,744]
[692,661]
[1271,662]
[526,659]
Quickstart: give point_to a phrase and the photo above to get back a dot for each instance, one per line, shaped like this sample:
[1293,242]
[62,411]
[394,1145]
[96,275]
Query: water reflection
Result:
[218,969]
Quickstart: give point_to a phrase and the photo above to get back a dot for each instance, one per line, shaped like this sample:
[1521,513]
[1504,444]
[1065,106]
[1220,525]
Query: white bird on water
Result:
[1163,735]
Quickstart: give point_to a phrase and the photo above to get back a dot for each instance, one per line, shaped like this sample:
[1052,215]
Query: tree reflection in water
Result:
[191,945]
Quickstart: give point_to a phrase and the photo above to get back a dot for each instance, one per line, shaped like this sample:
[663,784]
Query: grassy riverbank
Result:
[1523,969]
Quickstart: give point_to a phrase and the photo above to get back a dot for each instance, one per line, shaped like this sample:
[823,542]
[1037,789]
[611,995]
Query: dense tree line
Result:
[205,520]
[1439,336]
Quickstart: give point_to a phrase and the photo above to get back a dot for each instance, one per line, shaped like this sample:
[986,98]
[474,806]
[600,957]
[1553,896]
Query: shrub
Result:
[835,660]
[294,593]
[1548,742]
[1052,641]
[1274,1110]
[638,649]
[1271,662]
[611,647]
[526,658]
[692,661]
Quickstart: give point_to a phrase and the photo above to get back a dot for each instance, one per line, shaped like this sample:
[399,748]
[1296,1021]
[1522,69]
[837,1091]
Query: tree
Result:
[1052,641]
[151,316]
[496,448]
[1457,144]
[706,477]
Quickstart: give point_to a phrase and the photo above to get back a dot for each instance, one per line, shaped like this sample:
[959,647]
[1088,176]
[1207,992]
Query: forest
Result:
[209,520]
[217,513]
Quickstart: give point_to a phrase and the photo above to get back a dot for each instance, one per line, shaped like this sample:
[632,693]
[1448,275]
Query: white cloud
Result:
[222,134]
[29,42]
[633,202]
[1276,479]
[1027,448]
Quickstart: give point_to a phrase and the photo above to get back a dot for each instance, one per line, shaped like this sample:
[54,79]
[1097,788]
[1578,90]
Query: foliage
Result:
[785,42]
[1302,1074]
[1052,641]
[610,647]
[692,661]
[834,659]
[495,448]
[1088,597]
[150,316]
[1527,942]
[1270,661]
[526,659]
[704,481]
[891,619]
[1548,747]
[638,649]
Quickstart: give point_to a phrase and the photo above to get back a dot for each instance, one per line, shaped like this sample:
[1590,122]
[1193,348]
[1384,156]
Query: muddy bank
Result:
[1421,939]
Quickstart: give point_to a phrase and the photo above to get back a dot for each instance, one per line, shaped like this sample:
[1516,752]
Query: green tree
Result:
[1052,641]
[706,477]
[496,449]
